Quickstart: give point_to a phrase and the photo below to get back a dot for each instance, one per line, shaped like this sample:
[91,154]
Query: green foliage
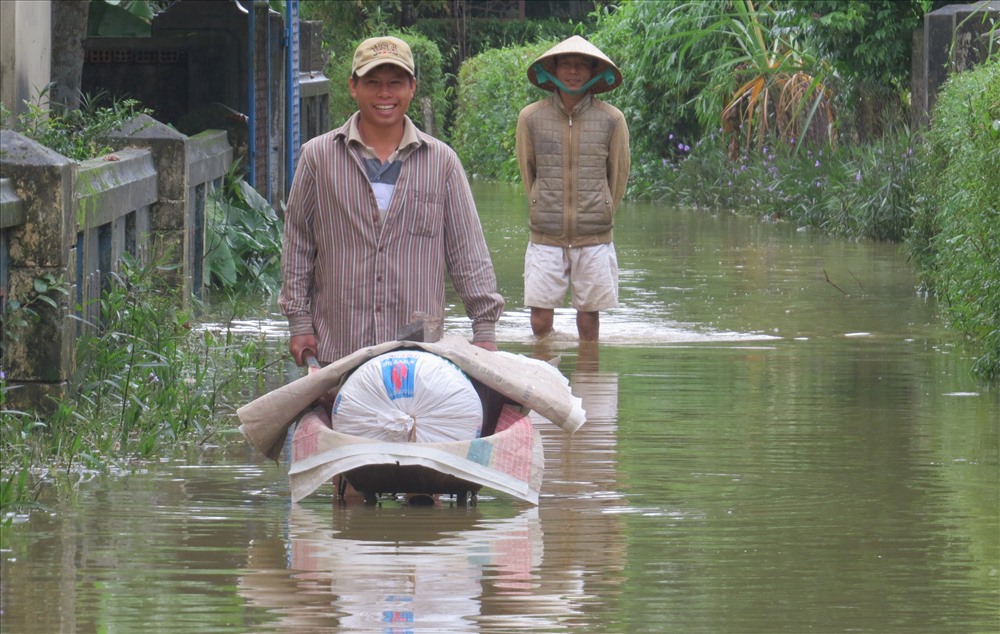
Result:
[243,239]
[692,67]
[147,380]
[77,134]
[493,87]
[22,311]
[856,192]
[956,236]
[869,45]
[665,85]
[430,77]
[870,40]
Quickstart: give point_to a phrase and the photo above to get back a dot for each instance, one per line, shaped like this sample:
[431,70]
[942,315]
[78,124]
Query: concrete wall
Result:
[25,51]
[75,221]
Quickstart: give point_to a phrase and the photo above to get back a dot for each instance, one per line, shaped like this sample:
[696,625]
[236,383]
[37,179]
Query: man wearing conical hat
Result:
[573,153]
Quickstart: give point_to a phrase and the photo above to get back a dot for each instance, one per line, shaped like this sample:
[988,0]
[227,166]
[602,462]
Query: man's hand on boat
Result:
[302,348]
[486,345]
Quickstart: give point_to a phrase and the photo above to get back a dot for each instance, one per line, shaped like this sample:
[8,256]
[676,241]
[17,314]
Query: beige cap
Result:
[382,50]
[576,45]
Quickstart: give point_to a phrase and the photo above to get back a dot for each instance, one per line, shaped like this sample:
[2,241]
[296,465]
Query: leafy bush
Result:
[77,134]
[869,45]
[956,237]
[492,88]
[147,380]
[690,67]
[856,191]
[664,76]
[243,240]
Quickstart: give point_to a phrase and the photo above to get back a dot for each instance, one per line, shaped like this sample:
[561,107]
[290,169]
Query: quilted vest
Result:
[571,202]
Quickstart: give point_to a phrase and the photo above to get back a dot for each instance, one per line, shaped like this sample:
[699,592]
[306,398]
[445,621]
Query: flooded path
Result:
[782,437]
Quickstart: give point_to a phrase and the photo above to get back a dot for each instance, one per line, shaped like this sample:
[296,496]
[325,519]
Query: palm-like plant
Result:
[781,90]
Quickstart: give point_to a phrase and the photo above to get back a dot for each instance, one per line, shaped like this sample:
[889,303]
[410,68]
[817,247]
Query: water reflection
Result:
[398,569]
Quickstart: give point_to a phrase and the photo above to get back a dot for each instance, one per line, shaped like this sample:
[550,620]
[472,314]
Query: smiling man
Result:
[377,214]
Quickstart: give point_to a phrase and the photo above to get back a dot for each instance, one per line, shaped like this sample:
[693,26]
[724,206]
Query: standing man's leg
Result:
[546,278]
[594,279]
[588,325]
[541,321]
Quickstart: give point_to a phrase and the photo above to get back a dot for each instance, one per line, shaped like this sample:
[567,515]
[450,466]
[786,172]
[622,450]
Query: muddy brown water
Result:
[782,436]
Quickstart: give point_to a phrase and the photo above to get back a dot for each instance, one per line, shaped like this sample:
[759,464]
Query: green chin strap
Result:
[542,76]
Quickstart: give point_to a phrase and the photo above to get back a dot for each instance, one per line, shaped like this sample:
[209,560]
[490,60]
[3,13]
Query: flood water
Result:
[782,436]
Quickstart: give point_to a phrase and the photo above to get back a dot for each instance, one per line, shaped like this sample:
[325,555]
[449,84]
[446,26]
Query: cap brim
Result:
[366,68]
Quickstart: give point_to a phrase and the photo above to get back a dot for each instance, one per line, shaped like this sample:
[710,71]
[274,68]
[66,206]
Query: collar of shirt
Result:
[407,144]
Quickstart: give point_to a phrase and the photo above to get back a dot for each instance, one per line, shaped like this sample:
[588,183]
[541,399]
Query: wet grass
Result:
[853,191]
[147,383]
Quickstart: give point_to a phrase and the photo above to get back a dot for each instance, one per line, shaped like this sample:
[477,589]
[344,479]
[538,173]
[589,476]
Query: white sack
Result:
[408,396]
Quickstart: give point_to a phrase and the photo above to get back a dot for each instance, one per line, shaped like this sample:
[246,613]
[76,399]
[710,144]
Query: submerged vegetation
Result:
[149,379]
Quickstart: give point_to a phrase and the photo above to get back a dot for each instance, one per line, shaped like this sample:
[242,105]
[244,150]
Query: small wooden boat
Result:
[507,457]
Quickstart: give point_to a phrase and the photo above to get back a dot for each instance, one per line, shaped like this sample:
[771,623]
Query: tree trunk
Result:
[69,31]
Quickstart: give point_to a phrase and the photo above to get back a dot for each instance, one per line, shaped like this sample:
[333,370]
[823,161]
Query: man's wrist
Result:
[484,331]
[300,325]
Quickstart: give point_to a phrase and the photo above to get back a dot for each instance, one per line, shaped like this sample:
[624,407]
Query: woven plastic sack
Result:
[408,396]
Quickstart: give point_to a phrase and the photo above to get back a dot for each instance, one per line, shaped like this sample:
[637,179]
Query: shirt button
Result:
[378,278]
[378,309]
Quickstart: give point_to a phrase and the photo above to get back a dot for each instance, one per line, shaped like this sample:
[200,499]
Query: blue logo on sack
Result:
[398,376]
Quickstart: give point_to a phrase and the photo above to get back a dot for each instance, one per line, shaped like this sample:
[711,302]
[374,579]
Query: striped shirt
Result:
[354,280]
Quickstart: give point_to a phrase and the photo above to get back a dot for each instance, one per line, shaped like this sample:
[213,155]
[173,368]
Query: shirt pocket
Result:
[423,213]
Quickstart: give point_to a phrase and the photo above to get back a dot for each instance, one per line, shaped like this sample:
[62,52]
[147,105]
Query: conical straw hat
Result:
[607,74]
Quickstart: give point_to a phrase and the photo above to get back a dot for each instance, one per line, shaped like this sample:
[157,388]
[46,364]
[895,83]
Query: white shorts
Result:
[592,272]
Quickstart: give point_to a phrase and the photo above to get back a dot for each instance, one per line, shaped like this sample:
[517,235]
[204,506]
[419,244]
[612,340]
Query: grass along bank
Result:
[149,382]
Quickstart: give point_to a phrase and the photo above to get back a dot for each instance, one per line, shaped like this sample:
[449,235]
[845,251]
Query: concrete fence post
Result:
[41,359]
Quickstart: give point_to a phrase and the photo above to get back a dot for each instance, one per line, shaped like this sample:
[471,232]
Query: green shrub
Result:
[77,134]
[956,236]
[492,88]
[243,240]
[430,84]
[856,192]
[667,63]
[147,381]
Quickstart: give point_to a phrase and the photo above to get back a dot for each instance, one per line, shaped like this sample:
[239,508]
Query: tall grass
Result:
[854,191]
[148,381]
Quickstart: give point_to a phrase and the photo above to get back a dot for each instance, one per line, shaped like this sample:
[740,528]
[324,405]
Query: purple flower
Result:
[817,163]
[687,148]
[857,177]
[670,137]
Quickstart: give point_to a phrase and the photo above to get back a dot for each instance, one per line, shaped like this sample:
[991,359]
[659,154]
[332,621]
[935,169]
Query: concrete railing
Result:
[74,221]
